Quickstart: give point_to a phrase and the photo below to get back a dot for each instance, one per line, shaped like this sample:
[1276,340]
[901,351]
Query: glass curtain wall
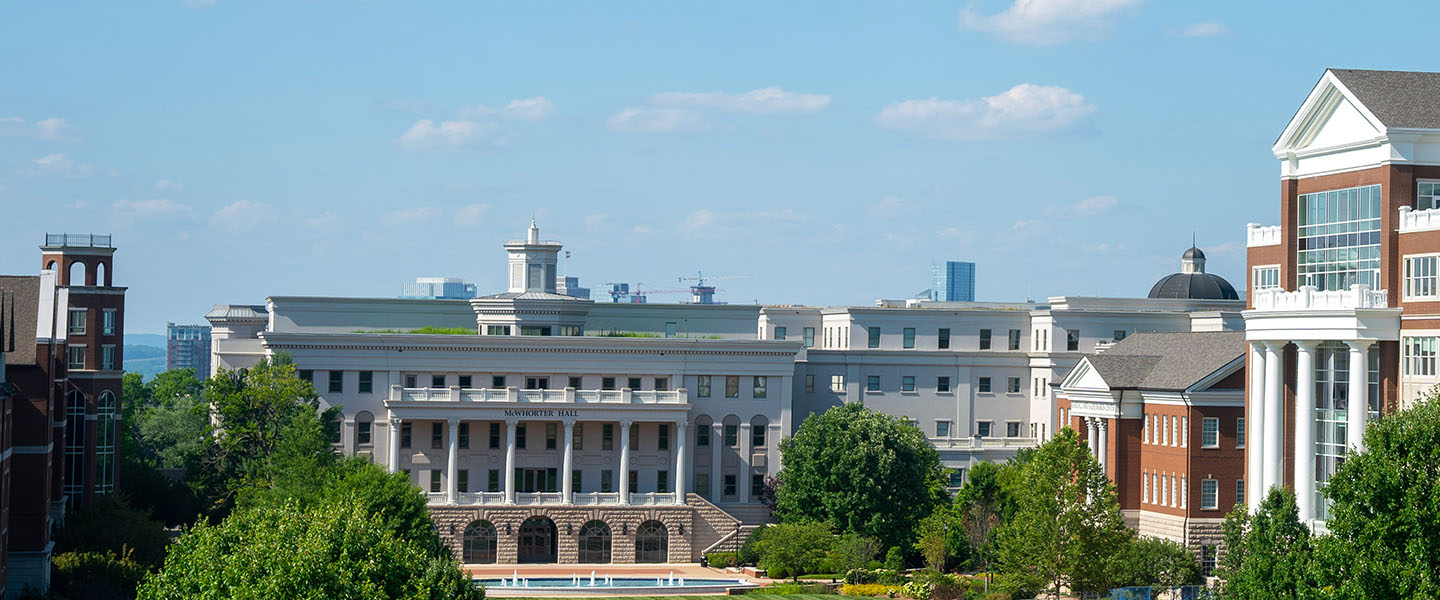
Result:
[1332,383]
[1339,238]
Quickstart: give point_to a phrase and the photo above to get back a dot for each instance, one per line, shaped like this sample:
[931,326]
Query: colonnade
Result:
[1098,431]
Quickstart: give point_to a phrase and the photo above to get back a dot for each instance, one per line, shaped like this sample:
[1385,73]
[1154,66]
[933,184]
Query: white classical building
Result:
[563,430]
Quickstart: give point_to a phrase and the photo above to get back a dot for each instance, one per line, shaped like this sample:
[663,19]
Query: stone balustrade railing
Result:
[1260,235]
[1310,298]
[1418,220]
[516,395]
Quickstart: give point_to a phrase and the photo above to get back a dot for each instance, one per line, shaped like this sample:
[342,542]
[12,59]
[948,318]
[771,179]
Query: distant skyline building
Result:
[952,281]
[439,288]
[570,286]
[187,347]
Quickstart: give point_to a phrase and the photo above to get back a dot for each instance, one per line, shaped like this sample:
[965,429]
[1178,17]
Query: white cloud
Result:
[765,100]
[1205,29]
[446,135]
[641,229]
[53,129]
[470,214]
[243,214]
[1023,224]
[412,215]
[657,120]
[1231,248]
[150,208]
[165,185]
[597,223]
[1048,22]
[1089,207]
[1024,109]
[698,220]
[62,165]
[523,109]
[887,207]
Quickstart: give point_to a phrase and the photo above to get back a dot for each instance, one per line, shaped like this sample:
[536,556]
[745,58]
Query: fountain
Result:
[540,586]
[592,578]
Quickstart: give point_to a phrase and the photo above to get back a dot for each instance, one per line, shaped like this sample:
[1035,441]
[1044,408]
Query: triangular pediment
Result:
[1085,377]
[1330,117]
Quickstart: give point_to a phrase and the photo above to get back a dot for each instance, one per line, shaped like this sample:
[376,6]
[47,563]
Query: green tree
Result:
[1067,521]
[794,547]
[861,471]
[331,551]
[852,551]
[983,505]
[1156,562]
[1385,511]
[94,576]
[110,525]
[930,539]
[1269,555]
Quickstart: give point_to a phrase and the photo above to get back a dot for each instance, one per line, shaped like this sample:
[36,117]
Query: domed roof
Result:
[1194,286]
[1193,252]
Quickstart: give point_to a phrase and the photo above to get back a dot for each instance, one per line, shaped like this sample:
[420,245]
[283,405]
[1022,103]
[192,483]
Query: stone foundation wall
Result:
[679,523]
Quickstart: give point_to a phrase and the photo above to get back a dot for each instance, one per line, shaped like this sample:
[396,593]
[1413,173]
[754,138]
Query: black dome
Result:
[1193,252]
[1194,286]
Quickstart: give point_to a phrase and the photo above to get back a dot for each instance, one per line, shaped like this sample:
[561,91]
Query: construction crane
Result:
[700,293]
[622,293]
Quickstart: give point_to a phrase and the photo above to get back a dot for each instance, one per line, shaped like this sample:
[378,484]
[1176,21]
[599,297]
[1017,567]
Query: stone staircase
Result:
[723,529]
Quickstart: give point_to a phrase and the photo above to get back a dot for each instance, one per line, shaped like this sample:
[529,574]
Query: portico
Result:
[1335,337]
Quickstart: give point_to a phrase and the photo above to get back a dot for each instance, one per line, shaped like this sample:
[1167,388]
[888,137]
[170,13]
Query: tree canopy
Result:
[1269,555]
[861,471]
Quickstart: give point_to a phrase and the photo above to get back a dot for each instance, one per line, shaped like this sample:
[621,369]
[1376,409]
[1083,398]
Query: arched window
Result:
[50,266]
[74,445]
[595,542]
[652,543]
[479,544]
[76,274]
[105,443]
[100,274]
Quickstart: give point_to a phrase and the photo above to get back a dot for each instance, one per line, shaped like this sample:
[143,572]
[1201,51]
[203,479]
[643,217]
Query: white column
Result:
[1254,428]
[509,462]
[1305,429]
[567,479]
[1092,435]
[1104,445]
[717,476]
[394,450]
[452,467]
[1274,417]
[680,427]
[624,463]
[742,480]
[1358,409]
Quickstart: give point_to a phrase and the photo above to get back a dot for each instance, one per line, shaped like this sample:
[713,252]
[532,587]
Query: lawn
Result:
[750,596]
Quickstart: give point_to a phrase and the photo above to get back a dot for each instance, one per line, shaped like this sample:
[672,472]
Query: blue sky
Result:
[826,151]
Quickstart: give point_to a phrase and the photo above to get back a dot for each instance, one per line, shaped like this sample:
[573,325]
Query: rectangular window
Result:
[1014,339]
[367,382]
[757,436]
[702,436]
[1427,195]
[437,381]
[1239,491]
[942,384]
[702,386]
[409,379]
[107,321]
[729,486]
[107,358]
[1338,238]
[633,383]
[942,339]
[732,386]
[908,337]
[662,481]
[1209,494]
[464,476]
[837,384]
[907,383]
[492,480]
[982,428]
[75,357]
[494,436]
[577,436]
[77,321]
[632,482]
[497,381]
[672,328]
[497,330]
[574,383]
[872,383]
[732,435]
[552,436]
[757,485]
[662,437]
[405,434]
[1208,560]
[464,441]
[465,381]
[337,382]
[1072,339]
[635,436]
[1119,334]
[957,477]
[1419,356]
[1420,278]
[942,429]
[873,341]
[984,339]
[1145,488]
[1265,277]
[607,383]
[520,436]
[758,387]
[984,386]
[577,480]
[809,337]
[434,480]
[607,436]
[779,333]
[437,435]
[662,384]
[1240,433]
[1012,429]
[1209,432]
[607,481]
[1012,385]
[362,433]
[809,382]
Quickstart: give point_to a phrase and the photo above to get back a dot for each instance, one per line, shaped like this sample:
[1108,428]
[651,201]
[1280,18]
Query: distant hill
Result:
[145,360]
[145,339]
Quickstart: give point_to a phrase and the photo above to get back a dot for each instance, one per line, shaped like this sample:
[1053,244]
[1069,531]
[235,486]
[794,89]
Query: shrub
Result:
[919,590]
[750,551]
[885,576]
[95,576]
[110,525]
[788,589]
[894,559]
[869,589]
[721,560]
[950,591]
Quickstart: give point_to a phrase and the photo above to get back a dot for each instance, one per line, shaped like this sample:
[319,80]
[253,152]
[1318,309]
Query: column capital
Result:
[1273,346]
[1103,423]
[1359,345]
[626,423]
[1306,345]
[511,422]
[454,421]
[396,419]
[569,426]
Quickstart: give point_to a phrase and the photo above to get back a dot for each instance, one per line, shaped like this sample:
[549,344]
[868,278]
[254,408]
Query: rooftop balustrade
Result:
[1419,220]
[520,396]
[1259,235]
[1310,298]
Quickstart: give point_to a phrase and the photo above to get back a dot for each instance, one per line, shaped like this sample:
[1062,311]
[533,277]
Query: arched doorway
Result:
[537,540]
[479,544]
[652,543]
[594,542]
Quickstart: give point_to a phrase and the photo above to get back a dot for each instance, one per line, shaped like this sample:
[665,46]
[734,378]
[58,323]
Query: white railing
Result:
[552,499]
[1419,220]
[1309,298]
[480,498]
[977,443]
[539,498]
[652,498]
[565,396]
[596,499]
[1259,235]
